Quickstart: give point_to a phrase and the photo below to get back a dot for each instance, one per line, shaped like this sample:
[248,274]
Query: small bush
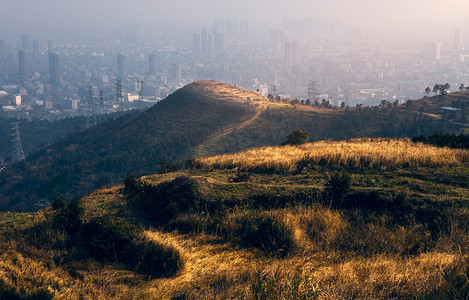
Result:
[11,294]
[118,241]
[58,203]
[154,260]
[337,189]
[241,177]
[107,239]
[68,216]
[132,185]
[167,200]
[263,232]
[297,137]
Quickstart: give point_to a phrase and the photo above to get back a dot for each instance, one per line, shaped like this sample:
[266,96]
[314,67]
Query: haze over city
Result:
[61,59]
[241,149]
[417,17]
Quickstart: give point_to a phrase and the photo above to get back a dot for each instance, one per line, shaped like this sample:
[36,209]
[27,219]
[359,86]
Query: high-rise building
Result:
[291,53]
[196,43]
[203,40]
[193,71]
[219,26]
[457,39]
[26,42]
[210,43]
[432,50]
[277,37]
[121,67]
[152,64]
[22,65]
[244,27]
[219,42]
[54,68]
[35,48]
[50,45]
[3,49]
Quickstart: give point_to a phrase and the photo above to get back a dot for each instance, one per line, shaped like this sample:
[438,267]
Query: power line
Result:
[119,95]
[18,153]
[140,94]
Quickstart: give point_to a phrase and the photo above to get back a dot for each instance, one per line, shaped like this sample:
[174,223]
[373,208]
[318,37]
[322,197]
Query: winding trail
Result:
[242,125]
[205,145]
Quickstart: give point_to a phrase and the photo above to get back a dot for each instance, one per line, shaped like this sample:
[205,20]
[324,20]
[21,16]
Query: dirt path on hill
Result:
[242,125]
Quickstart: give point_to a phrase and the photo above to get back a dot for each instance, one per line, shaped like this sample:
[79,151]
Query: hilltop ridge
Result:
[201,119]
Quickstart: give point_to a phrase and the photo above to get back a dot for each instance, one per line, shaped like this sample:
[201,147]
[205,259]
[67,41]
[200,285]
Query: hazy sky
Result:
[370,15]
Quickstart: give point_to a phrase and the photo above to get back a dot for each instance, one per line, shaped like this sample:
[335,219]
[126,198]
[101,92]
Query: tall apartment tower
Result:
[121,67]
[3,49]
[26,42]
[22,65]
[291,53]
[203,40]
[50,45]
[36,48]
[196,43]
[432,50]
[152,64]
[218,42]
[54,68]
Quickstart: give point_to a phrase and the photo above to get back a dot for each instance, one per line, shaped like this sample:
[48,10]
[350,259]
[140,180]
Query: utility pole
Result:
[90,118]
[140,94]
[101,102]
[18,153]
[313,92]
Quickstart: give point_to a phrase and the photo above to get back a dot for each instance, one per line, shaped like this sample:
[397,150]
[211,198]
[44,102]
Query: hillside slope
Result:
[206,118]
[133,143]
[362,219]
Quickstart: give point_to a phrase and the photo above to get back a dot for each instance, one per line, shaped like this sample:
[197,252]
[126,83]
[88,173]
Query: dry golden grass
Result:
[345,254]
[356,153]
[214,270]
[223,91]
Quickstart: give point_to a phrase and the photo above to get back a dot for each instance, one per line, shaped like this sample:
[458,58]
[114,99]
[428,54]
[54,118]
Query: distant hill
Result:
[137,143]
[206,118]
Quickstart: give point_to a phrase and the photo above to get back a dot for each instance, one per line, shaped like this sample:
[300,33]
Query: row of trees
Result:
[442,89]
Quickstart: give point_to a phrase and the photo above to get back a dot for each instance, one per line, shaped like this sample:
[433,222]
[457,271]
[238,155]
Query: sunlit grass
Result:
[316,251]
[356,153]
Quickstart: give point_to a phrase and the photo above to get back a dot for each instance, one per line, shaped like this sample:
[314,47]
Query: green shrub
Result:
[7,293]
[132,184]
[69,216]
[118,241]
[337,189]
[58,203]
[263,232]
[154,260]
[167,200]
[106,239]
[297,137]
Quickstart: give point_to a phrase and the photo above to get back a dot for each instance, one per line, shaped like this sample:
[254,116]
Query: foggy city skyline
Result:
[417,17]
[53,53]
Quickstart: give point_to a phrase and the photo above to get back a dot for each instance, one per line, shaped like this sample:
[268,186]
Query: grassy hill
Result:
[205,118]
[137,143]
[362,218]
